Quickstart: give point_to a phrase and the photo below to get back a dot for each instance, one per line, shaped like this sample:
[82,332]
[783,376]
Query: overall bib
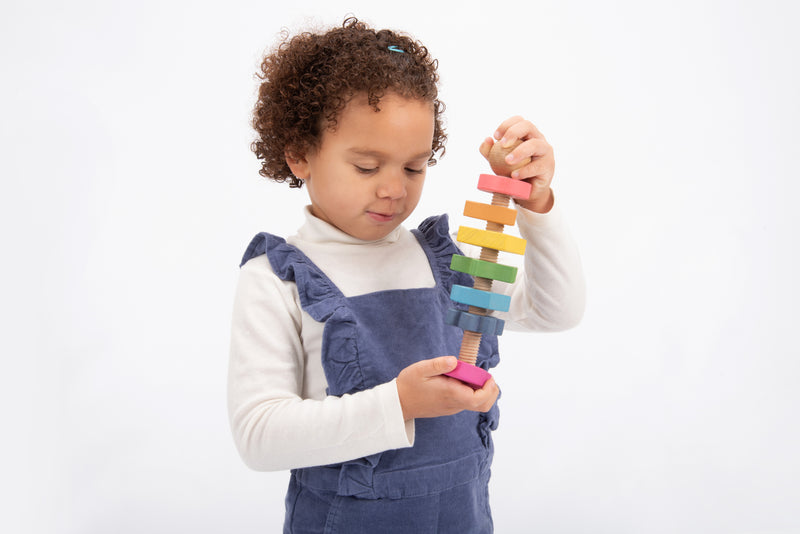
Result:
[440,484]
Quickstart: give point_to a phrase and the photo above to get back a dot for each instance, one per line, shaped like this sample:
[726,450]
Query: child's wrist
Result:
[541,204]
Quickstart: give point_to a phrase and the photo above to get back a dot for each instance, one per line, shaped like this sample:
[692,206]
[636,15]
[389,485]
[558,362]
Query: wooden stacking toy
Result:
[481,301]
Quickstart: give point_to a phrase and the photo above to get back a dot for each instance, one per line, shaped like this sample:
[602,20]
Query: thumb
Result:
[486,147]
[439,366]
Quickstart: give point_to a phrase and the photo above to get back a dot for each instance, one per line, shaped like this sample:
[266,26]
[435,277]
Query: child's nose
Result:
[393,186]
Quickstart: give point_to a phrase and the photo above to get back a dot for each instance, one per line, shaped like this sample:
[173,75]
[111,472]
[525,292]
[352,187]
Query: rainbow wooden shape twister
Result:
[480,300]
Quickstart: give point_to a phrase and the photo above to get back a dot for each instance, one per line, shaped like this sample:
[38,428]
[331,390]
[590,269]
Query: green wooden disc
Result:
[483,269]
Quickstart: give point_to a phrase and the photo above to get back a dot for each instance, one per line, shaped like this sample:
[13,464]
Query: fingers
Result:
[533,154]
[424,391]
[486,147]
[502,130]
[434,367]
[515,128]
[437,366]
[442,365]
[541,154]
[533,145]
[483,399]
[463,397]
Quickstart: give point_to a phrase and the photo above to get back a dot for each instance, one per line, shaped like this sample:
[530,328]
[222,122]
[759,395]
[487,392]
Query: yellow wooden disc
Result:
[489,239]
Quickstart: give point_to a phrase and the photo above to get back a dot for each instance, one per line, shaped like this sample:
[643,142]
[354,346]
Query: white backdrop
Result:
[129,195]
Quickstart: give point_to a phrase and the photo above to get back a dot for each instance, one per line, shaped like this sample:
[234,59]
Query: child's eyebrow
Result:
[380,155]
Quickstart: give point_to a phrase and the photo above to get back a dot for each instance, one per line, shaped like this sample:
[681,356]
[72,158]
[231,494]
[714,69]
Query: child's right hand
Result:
[425,392]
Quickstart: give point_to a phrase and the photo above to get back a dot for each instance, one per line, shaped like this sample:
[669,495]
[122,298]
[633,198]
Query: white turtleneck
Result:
[280,414]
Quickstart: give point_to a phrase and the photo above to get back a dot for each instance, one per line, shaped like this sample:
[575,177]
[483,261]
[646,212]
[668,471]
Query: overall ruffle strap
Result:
[318,295]
[324,302]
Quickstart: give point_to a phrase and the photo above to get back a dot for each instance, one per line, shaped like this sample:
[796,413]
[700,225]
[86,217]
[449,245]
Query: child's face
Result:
[366,177]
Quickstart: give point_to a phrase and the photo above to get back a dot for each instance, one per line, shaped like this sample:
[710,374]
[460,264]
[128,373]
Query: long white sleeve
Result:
[550,293]
[276,421]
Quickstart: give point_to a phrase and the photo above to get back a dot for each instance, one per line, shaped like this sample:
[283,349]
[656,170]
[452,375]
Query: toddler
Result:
[339,344]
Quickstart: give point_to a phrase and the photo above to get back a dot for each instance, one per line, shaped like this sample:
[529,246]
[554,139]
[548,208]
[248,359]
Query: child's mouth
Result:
[380,217]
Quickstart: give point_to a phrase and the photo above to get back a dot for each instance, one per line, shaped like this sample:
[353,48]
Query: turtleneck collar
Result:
[315,230]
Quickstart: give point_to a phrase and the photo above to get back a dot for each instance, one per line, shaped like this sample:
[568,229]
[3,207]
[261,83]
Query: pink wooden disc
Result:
[471,375]
[506,186]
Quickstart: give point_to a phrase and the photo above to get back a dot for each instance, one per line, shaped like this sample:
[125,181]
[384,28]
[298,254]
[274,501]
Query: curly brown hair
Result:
[307,81]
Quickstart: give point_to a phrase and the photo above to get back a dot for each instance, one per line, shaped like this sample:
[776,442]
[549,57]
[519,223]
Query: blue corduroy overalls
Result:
[439,485]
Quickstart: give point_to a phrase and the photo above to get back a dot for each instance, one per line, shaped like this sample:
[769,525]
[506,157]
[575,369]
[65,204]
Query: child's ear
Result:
[297,164]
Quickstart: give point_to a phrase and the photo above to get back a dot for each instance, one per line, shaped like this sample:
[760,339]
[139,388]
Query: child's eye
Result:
[414,171]
[363,170]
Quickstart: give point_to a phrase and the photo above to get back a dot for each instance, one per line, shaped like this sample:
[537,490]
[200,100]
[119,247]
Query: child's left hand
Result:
[539,172]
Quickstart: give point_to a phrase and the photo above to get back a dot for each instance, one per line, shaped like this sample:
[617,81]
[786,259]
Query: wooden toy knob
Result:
[497,159]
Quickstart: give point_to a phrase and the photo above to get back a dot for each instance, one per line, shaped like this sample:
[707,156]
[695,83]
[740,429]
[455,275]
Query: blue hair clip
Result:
[394,48]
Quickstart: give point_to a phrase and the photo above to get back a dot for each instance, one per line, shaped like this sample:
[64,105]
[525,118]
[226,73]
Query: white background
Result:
[129,194]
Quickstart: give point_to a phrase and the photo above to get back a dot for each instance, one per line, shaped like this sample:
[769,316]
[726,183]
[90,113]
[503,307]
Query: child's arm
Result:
[549,294]
[280,416]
